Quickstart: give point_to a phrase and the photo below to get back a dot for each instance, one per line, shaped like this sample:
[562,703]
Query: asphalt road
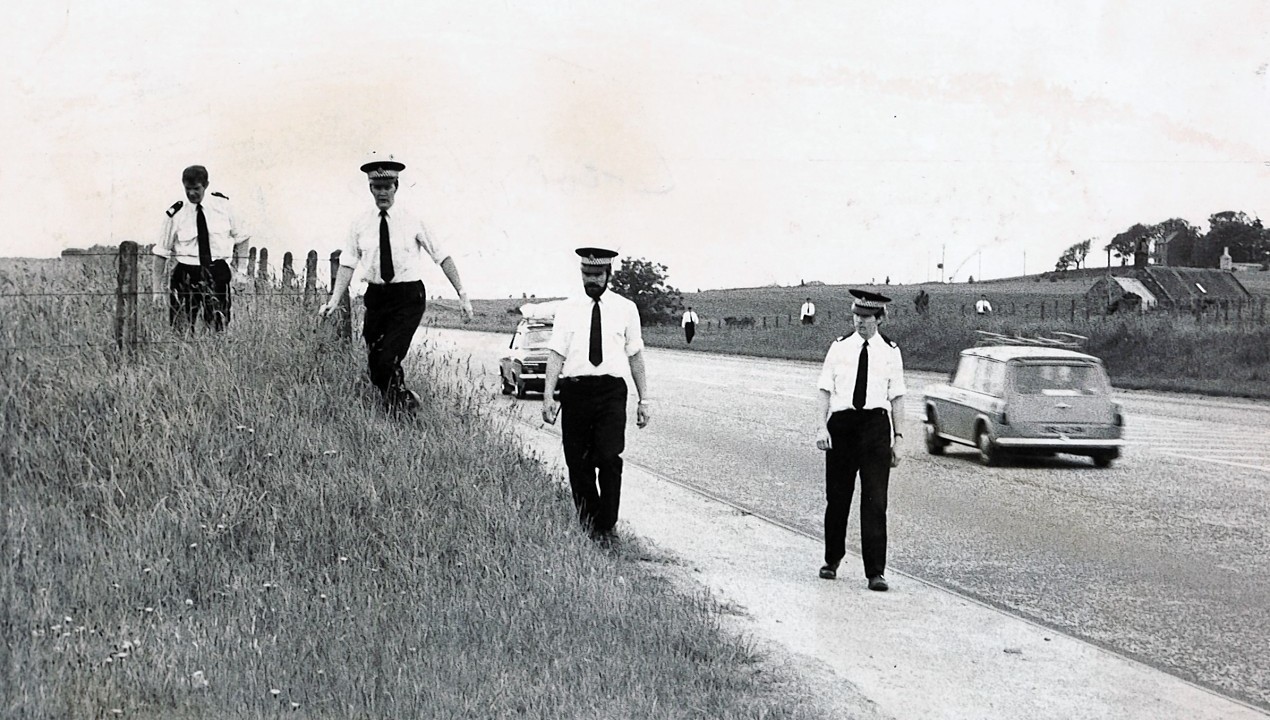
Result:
[1164,557]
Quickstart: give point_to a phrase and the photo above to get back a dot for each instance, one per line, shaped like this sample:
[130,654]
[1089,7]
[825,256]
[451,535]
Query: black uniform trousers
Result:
[593,431]
[199,290]
[690,329]
[861,444]
[393,313]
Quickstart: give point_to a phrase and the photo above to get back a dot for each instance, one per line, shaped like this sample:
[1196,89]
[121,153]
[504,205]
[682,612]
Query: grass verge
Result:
[231,528]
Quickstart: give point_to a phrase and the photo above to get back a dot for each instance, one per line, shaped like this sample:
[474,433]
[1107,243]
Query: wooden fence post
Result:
[251,263]
[344,323]
[126,299]
[310,275]
[262,269]
[288,272]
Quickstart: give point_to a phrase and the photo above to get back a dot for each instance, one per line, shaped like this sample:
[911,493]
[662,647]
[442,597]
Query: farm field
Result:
[1220,354]
[228,526]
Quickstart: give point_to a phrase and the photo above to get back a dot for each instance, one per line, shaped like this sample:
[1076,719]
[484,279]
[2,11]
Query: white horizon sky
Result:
[739,143]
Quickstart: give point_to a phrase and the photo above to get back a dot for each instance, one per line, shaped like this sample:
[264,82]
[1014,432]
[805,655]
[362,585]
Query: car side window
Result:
[986,377]
[994,378]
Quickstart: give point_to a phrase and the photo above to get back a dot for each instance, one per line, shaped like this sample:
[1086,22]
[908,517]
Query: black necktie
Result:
[385,249]
[597,352]
[204,237]
[861,377]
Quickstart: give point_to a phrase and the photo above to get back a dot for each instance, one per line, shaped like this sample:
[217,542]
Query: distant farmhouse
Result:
[1147,286]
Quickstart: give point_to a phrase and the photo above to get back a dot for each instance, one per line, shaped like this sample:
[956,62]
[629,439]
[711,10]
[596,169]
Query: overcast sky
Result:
[740,143]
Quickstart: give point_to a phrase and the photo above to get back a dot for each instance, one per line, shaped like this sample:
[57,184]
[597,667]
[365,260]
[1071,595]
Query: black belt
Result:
[865,411]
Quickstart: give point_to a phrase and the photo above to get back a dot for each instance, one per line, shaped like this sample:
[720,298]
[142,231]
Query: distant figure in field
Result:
[808,313]
[921,303]
[393,245]
[982,306]
[689,323]
[201,239]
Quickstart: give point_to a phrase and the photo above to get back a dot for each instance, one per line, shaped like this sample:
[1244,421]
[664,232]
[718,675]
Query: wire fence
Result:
[1072,311]
[117,309]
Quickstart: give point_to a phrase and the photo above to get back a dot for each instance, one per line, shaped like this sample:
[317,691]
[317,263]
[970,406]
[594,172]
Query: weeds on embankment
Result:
[232,528]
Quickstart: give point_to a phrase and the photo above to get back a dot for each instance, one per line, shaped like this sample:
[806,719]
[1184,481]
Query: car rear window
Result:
[1060,379]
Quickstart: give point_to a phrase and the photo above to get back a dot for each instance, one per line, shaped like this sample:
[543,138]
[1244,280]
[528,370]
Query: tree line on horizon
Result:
[1184,245]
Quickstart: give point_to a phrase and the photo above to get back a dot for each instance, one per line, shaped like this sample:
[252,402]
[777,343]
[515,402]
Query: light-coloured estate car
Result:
[524,367]
[1009,399]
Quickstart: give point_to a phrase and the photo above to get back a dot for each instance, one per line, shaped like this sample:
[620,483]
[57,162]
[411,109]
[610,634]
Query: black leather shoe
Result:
[829,572]
[878,582]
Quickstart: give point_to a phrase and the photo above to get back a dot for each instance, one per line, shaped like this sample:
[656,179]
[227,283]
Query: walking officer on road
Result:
[392,244]
[595,342]
[859,418]
[198,254]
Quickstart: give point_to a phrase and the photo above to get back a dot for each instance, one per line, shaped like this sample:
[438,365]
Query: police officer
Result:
[595,342]
[859,416]
[391,244]
[689,323]
[201,240]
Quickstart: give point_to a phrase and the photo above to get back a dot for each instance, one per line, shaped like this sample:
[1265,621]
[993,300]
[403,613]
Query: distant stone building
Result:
[1149,286]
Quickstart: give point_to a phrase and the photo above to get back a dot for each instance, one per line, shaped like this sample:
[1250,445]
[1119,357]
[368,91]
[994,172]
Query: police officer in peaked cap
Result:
[859,415]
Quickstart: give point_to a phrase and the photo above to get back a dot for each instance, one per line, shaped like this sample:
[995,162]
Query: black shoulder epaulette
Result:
[176,207]
[887,340]
[844,337]
[222,197]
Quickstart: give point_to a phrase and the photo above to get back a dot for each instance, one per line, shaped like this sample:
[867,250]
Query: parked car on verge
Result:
[1013,399]
[524,367]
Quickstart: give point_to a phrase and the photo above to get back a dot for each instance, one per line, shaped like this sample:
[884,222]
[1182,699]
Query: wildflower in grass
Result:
[295,706]
[189,602]
[198,680]
[275,692]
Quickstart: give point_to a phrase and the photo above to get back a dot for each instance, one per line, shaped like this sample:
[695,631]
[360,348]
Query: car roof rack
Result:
[1064,340]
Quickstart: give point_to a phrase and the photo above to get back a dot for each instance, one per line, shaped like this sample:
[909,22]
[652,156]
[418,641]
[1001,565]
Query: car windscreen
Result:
[536,339]
[1060,379]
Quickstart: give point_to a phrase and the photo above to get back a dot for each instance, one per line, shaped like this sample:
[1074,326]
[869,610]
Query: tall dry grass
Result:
[229,527]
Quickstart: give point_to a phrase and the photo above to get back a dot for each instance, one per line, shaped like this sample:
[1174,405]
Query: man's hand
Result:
[642,416]
[895,450]
[823,441]
[466,307]
[550,409]
[326,309]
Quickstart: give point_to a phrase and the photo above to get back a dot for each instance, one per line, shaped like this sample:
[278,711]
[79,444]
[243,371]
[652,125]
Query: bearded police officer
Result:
[595,342]
[391,244]
[201,241]
[859,416]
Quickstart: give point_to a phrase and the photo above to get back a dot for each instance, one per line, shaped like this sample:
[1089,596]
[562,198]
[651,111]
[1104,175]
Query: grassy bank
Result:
[230,528]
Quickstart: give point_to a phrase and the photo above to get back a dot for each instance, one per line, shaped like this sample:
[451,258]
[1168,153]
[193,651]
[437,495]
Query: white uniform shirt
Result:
[689,317]
[619,325]
[409,239]
[983,306]
[809,309]
[885,380]
[180,230]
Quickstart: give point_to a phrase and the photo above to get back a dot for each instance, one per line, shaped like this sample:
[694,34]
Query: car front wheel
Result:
[502,380]
[988,452]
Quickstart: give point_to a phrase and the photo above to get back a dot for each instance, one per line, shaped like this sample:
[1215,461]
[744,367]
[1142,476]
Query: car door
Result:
[956,418]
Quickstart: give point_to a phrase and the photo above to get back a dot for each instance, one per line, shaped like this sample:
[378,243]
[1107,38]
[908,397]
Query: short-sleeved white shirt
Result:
[179,240]
[408,237]
[620,328]
[885,380]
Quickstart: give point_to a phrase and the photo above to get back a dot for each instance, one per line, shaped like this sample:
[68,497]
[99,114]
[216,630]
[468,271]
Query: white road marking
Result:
[1262,468]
